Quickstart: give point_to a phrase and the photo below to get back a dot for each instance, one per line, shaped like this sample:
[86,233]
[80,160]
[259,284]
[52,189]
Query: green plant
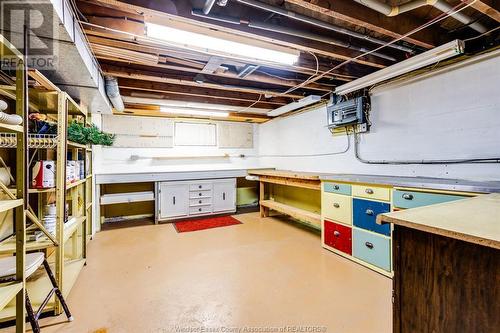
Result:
[77,132]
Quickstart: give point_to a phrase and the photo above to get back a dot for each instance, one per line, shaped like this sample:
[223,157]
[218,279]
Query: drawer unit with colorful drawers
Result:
[349,213]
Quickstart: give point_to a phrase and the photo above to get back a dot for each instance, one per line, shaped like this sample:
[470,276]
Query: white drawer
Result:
[200,202]
[200,194]
[200,187]
[200,210]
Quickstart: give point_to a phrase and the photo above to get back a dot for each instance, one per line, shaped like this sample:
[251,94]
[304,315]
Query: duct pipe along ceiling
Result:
[288,31]
[318,23]
[442,5]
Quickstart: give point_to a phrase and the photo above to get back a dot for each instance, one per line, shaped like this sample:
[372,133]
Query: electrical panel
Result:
[348,112]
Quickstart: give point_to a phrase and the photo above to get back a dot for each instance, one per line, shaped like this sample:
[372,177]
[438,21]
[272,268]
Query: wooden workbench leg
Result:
[264,211]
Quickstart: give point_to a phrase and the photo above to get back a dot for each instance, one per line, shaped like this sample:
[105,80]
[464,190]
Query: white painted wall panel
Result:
[452,115]
[232,135]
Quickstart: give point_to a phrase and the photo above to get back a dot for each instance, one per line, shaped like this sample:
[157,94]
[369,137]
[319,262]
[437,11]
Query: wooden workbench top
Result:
[475,220]
[285,174]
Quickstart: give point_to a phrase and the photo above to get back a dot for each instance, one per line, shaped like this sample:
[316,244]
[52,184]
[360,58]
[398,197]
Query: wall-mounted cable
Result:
[408,162]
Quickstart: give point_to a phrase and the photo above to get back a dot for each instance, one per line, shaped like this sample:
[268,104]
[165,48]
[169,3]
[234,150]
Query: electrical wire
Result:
[407,162]
[423,26]
[483,34]
[348,146]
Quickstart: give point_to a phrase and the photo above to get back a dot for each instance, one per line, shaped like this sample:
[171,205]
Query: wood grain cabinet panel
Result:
[337,207]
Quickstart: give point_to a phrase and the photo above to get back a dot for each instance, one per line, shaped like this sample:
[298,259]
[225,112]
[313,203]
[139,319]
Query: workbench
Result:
[447,266]
[148,193]
[304,210]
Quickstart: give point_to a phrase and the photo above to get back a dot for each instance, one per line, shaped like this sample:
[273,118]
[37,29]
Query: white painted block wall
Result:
[452,115]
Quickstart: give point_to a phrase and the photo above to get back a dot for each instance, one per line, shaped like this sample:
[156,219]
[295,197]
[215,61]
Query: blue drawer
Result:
[337,188]
[411,199]
[371,248]
[365,215]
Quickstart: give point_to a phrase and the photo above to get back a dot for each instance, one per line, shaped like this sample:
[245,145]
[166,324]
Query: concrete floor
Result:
[260,274]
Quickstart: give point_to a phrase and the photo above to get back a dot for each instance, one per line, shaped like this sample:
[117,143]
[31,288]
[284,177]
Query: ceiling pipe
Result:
[318,23]
[207,7]
[113,92]
[288,31]
[311,36]
[441,5]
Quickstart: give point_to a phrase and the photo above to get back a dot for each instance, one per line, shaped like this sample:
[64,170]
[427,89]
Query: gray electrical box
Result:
[345,113]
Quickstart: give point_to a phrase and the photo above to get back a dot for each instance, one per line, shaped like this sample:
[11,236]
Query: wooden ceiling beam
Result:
[190,97]
[209,94]
[364,17]
[167,78]
[116,54]
[488,7]
[184,19]
[233,116]
[124,41]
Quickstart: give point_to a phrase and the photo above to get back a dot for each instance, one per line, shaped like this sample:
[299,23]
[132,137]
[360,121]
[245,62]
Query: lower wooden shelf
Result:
[311,218]
[9,245]
[38,287]
[8,291]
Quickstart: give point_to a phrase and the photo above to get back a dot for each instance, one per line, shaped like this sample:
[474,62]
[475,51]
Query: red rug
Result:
[207,223]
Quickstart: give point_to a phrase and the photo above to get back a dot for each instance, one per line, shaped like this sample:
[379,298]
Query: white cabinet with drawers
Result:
[182,199]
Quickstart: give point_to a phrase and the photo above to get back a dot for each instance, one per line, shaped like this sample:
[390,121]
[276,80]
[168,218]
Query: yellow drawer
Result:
[371,192]
[337,207]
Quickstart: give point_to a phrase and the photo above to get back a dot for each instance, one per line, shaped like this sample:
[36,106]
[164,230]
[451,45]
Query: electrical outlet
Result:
[362,128]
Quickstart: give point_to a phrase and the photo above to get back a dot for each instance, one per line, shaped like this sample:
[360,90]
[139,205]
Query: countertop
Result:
[475,220]
[418,182]
[285,174]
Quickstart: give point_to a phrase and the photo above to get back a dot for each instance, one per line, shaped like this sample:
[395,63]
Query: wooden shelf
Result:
[42,190]
[11,128]
[39,287]
[53,189]
[117,198]
[6,205]
[77,183]
[308,217]
[8,291]
[8,246]
[77,145]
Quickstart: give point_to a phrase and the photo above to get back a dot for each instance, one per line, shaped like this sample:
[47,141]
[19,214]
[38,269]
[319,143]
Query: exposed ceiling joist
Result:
[161,77]
[486,7]
[353,13]
[184,20]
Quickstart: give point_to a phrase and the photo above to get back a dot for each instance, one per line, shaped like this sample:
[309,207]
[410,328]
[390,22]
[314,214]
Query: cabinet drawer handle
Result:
[199,194]
[199,186]
[336,187]
[199,201]
[369,245]
[336,233]
[407,196]
[369,212]
[336,205]
[173,199]
[199,209]
[223,195]
[369,191]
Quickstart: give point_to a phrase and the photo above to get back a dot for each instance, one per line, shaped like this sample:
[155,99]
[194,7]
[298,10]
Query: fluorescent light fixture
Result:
[192,39]
[138,99]
[194,112]
[311,99]
[435,55]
